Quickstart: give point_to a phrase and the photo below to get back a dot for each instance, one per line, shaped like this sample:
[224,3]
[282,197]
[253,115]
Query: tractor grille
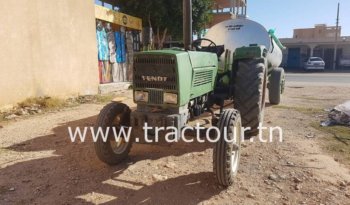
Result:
[202,78]
[156,97]
[161,67]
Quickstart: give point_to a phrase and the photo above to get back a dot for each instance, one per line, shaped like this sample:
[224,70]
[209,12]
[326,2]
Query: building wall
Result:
[220,4]
[219,17]
[346,52]
[293,60]
[222,10]
[48,48]
[320,31]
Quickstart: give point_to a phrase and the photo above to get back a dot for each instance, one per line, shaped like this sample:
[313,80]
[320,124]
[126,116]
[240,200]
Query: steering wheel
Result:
[197,44]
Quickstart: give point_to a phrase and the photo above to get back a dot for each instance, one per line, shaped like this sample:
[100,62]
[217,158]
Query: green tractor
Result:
[236,61]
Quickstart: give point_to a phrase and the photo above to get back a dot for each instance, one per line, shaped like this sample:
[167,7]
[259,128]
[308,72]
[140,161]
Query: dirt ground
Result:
[39,164]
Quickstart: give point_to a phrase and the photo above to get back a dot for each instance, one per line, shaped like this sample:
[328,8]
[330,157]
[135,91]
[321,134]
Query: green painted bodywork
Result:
[250,52]
[195,72]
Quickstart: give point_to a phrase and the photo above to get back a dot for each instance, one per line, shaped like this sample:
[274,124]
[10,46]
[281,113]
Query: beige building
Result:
[227,9]
[319,41]
[320,31]
[49,48]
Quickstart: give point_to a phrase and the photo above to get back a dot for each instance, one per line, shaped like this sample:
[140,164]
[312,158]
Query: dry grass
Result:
[104,98]
[43,102]
[339,141]
[310,98]
[52,103]
[304,110]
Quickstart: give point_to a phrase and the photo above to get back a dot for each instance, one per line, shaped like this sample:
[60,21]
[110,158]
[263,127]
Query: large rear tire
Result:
[276,85]
[226,154]
[250,91]
[111,151]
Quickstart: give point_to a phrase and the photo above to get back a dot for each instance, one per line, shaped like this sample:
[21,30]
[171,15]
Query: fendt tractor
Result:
[237,61]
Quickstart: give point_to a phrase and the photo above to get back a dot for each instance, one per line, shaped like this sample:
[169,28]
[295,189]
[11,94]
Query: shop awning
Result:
[118,18]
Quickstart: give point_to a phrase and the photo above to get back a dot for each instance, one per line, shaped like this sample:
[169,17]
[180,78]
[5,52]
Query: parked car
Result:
[344,63]
[314,63]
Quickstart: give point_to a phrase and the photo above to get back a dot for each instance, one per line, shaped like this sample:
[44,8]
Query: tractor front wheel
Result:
[226,154]
[113,150]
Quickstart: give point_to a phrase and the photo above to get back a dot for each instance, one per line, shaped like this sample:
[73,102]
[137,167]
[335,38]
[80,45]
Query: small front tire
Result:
[226,154]
[114,115]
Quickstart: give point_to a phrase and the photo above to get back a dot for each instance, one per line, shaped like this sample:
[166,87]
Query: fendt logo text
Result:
[154,78]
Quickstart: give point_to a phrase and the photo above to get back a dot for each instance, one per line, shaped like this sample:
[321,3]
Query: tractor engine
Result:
[170,86]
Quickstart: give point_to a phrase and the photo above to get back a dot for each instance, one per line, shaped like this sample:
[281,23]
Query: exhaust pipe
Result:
[187,24]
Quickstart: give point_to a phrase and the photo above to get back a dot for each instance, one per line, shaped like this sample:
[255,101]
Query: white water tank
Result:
[236,33]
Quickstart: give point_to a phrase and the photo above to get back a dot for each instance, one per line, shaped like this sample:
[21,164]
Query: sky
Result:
[286,15]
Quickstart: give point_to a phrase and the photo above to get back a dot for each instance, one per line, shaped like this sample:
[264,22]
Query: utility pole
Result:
[336,40]
[187,24]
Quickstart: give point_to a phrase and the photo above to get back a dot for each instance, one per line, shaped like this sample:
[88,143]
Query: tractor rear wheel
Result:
[113,151]
[276,85]
[226,154]
[250,91]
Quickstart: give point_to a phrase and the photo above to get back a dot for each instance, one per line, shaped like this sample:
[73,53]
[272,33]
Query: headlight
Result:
[141,96]
[170,98]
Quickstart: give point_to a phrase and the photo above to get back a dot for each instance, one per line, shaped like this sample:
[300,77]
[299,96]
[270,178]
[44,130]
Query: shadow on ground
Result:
[74,170]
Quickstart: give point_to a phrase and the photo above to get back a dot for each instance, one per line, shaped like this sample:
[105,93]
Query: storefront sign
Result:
[118,18]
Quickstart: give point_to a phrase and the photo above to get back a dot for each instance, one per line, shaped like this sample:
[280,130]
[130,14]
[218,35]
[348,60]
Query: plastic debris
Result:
[340,115]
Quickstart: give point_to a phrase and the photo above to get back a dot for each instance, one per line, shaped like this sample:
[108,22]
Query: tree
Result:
[201,14]
[165,16]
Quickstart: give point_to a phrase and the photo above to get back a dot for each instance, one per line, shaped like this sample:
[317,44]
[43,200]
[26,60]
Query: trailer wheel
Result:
[276,85]
[250,91]
[111,151]
[226,154]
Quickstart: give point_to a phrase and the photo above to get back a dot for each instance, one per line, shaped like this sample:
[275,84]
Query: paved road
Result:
[318,79]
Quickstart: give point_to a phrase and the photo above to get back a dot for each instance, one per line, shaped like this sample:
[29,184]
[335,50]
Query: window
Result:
[315,59]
